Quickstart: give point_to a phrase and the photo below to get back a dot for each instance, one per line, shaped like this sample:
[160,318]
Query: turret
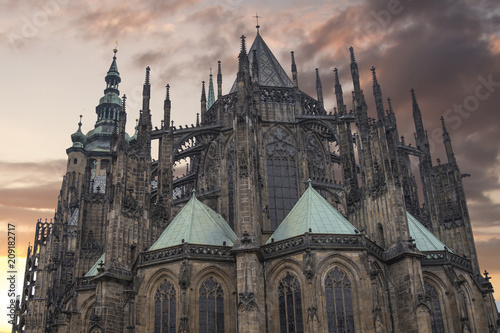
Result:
[78,138]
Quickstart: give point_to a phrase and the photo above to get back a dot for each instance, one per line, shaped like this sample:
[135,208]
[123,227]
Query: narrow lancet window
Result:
[211,307]
[339,308]
[290,305]
[165,298]
[436,316]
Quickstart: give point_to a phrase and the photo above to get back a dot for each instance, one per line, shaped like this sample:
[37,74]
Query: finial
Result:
[336,71]
[219,69]
[203,95]
[389,101]
[168,92]
[124,99]
[197,119]
[80,122]
[210,71]
[115,49]
[293,57]
[413,97]
[194,193]
[309,181]
[243,45]
[147,75]
[375,82]
[351,50]
[257,26]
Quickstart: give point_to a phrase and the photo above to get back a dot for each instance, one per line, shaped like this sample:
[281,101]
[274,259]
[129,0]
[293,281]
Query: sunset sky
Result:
[55,54]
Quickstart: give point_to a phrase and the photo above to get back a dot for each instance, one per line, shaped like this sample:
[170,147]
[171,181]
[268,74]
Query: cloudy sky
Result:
[55,54]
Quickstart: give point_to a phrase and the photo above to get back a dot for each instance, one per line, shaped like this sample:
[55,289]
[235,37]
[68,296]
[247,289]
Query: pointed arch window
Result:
[290,305]
[432,297]
[165,310]
[281,175]
[315,158]
[211,307]
[339,308]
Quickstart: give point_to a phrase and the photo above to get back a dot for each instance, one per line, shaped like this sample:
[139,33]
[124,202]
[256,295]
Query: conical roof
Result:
[196,223]
[270,71]
[312,212]
[425,240]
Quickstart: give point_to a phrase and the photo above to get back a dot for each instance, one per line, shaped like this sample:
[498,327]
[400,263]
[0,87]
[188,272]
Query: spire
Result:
[113,76]
[203,99]
[167,107]
[294,71]
[319,88]
[338,93]
[219,80]
[377,93]
[417,116]
[355,74]
[447,144]
[243,65]
[255,67]
[211,95]
[146,93]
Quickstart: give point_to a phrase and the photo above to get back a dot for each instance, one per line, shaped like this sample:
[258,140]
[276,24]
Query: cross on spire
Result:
[257,18]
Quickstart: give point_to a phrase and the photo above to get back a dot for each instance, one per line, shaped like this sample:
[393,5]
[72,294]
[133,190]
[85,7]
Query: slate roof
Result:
[196,223]
[313,212]
[270,71]
[425,240]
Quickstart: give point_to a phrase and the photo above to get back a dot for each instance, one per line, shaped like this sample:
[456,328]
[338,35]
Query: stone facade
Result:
[249,159]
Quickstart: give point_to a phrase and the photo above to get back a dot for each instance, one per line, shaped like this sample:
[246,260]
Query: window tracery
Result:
[165,308]
[436,315]
[281,175]
[290,305]
[211,307]
[339,307]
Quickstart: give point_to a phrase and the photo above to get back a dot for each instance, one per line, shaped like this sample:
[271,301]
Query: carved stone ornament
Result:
[309,264]
[185,274]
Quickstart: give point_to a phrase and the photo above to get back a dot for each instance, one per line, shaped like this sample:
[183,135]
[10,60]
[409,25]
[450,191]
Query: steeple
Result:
[447,144]
[203,99]
[108,110]
[219,80]
[211,94]
[377,93]
[319,88]
[294,71]
[167,106]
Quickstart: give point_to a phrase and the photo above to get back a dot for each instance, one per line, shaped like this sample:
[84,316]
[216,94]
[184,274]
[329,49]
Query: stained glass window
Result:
[339,302]
[165,298]
[281,176]
[436,315]
[290,305]
[211,307]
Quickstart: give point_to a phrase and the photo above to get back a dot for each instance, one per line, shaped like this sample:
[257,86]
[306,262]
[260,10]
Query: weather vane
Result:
[116,46]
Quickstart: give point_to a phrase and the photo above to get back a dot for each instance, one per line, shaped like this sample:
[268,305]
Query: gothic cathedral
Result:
[269,214]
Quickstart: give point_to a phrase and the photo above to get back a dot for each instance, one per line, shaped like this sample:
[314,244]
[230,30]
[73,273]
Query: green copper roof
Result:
[270,71]
[93,270]
[424,238]
[313,212]
[196,223]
